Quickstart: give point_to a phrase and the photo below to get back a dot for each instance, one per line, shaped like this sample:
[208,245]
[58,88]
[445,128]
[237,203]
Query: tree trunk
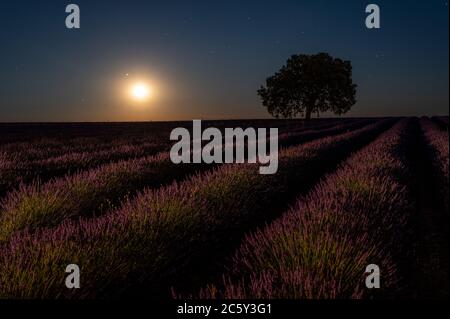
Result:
[308,114]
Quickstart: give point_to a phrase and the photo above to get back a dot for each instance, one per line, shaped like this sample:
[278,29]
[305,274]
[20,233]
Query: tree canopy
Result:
[309,84]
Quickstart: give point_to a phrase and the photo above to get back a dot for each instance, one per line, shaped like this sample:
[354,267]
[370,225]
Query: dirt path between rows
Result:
[430,260]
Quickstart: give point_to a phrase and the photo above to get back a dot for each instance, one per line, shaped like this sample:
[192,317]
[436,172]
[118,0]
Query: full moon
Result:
[141,91]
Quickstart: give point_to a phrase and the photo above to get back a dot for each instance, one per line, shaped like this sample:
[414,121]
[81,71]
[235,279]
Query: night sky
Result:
[206,59]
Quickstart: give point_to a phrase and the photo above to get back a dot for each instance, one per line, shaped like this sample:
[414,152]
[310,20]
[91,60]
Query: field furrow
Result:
[430,260]
[438,141]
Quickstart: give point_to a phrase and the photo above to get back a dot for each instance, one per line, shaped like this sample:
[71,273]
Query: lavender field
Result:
[348,193]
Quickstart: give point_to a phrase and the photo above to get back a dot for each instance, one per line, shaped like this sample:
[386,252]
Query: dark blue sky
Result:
[208,58]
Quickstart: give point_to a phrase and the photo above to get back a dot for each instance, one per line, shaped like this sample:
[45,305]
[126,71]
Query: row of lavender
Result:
[320,248]
[14,172]
[16,136]
[25,162]
[155,240]
[57,145]
[96,191]
[47,148]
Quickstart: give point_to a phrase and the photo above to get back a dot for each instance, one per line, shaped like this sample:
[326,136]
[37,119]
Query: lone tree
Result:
[307,84]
